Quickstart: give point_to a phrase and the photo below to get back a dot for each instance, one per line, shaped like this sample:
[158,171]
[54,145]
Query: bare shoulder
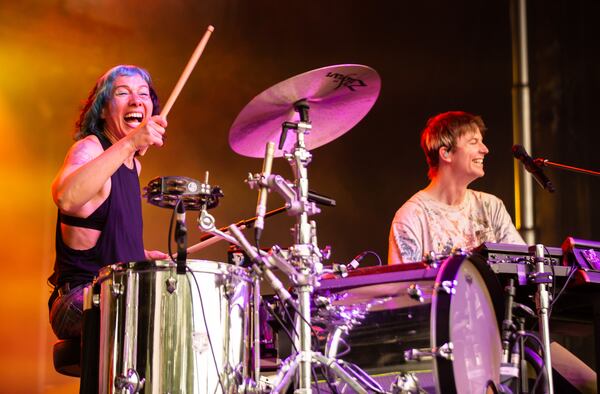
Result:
[84,150]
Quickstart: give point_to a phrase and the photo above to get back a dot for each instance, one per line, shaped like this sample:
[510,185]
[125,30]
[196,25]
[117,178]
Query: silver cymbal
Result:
[338,96]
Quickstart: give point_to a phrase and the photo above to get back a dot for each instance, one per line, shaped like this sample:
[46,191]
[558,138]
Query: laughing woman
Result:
[97,189]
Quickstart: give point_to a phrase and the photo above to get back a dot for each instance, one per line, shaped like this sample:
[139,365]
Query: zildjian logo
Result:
[346,80]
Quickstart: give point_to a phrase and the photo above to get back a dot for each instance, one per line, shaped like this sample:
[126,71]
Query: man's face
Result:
[129,105]
[468,154]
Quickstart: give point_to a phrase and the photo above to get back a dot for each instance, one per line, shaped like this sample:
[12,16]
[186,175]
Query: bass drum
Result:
[161,332]
[466,308]
[439,323]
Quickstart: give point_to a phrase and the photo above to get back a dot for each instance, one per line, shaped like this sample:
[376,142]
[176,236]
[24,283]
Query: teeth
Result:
[478,161]
[134,116]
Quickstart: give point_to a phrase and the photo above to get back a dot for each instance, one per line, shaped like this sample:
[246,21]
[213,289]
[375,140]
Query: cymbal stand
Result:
[303,262]
[542,301]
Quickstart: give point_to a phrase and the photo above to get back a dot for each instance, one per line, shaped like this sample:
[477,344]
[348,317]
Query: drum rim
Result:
[164,265]
[440,307]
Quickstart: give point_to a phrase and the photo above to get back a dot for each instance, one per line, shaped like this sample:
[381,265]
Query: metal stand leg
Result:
[543,304]
[291,365]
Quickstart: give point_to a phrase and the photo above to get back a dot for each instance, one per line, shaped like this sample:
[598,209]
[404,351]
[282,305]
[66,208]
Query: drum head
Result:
[465,313]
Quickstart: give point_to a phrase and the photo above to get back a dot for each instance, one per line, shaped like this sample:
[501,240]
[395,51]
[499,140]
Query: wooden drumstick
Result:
[187,71]
[206,242]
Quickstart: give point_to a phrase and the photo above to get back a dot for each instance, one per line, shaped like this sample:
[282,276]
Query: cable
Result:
[376,255]
[282,324]
[291,320]
[291,338]
[212,352]
[534,337]
[553,272]
[362,254]
[563,288]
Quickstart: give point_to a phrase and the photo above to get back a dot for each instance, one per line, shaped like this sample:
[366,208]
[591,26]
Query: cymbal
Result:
[338,96]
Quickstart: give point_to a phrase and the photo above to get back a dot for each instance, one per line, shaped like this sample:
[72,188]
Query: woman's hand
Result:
[148,133]
[155,255]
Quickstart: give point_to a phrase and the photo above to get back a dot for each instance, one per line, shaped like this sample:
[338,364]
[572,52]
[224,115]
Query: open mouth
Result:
[478,161]
[133,118]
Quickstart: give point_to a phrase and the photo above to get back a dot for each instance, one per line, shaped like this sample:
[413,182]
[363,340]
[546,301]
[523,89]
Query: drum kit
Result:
[194,326]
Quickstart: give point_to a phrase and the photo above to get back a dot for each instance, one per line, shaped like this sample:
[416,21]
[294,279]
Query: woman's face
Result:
[129,105]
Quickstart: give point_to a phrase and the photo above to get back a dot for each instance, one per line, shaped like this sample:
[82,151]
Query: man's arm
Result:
[405,240]
[503,226]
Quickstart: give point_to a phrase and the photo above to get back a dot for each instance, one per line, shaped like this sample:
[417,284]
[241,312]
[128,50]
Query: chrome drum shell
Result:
[166,333]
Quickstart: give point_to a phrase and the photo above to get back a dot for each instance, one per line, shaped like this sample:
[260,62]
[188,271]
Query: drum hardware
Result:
[361,376]
[407,383]
[171,284]
[426,354]
[448,286]
[116,289]
[286,190]
[130,382]
[415,292]
[304,258]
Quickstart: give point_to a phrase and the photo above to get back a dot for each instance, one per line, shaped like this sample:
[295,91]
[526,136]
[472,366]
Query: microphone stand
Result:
[542,280]
[547,163]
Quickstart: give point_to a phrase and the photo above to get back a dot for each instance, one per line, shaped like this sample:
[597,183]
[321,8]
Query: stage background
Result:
[432,56]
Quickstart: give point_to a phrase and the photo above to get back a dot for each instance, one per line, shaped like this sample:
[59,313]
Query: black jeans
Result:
[66,313]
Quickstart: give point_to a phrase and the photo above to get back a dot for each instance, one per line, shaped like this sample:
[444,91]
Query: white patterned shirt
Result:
[424,224]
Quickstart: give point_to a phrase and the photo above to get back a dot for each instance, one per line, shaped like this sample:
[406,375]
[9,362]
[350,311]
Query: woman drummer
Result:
[97,189]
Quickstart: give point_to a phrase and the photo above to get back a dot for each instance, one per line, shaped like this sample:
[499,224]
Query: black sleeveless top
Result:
[120,220]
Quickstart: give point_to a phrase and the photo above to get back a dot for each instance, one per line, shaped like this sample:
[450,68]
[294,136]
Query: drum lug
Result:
[96,299]
[445,351]
[131,382]
[117,289]
[415,292]
[449,286]
[171,285]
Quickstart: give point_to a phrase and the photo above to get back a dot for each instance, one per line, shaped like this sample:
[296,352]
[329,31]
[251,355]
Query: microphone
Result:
[521,154]
[181,237]
[344,269]
[261,204]
[321,199]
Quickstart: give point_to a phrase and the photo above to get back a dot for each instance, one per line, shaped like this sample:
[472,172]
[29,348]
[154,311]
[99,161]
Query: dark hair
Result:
[90,121]
[442,131]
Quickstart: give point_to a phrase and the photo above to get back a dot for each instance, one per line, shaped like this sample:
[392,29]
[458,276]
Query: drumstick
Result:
[206,242]
[186,72]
